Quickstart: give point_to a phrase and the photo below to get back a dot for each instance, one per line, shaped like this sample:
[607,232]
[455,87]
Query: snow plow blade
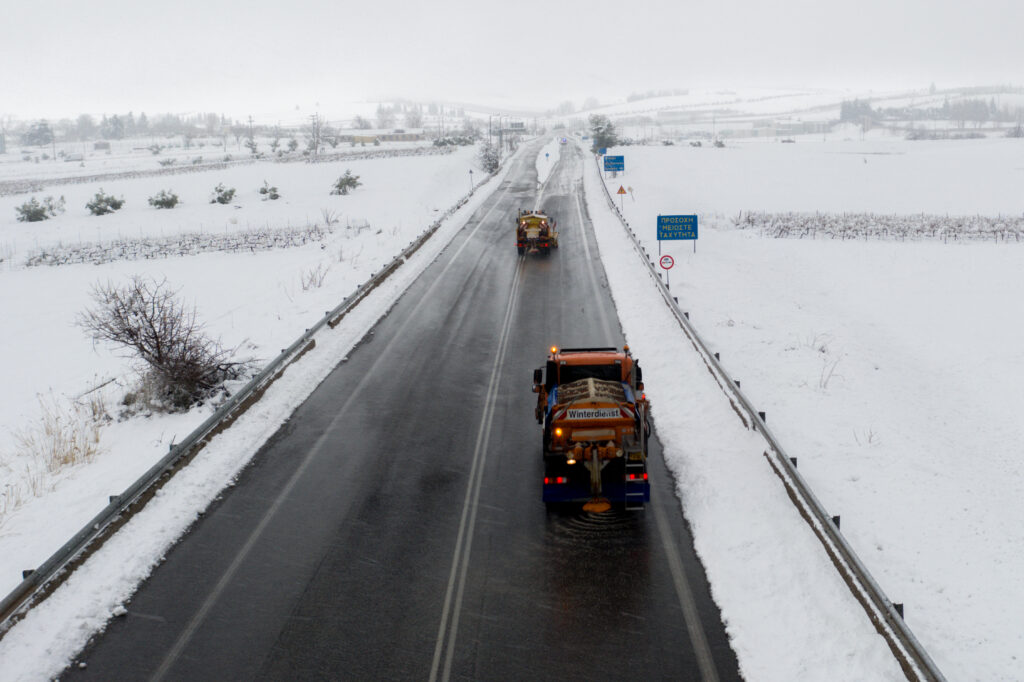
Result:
[596,505]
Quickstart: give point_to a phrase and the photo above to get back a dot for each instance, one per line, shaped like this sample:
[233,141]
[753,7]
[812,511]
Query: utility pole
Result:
[314,124]
[501,137]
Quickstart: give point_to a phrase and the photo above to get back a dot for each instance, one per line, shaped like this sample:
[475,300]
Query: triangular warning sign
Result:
[622,190]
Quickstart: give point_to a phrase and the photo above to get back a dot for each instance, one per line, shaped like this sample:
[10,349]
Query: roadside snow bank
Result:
[788,613]
[45,641]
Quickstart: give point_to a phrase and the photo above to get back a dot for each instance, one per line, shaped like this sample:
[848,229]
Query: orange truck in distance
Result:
[535,232]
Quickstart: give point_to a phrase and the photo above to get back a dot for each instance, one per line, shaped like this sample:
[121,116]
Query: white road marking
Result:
[464,541]
[185,637]
[698,639]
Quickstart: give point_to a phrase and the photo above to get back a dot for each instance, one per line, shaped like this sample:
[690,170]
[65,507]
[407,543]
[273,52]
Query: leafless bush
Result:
[314,277]
[146,317]
[330,217]
[828,371]
[187,244]
[66,434]
[913,227]
[868,439]
[63,437]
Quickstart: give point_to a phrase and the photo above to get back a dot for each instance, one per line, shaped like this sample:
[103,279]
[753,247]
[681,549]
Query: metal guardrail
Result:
[38,583]
[886,616]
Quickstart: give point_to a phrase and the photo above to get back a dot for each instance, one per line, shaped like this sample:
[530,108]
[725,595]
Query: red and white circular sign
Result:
[667,262]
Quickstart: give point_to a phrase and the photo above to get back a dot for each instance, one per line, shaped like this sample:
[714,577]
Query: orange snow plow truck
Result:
[535,232]
[592,404]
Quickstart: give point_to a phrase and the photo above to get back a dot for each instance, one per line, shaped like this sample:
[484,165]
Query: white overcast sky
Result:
[59,58]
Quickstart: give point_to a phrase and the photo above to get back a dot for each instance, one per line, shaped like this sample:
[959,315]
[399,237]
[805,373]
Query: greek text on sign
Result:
[615,163]
[595,413]
[677,227]
[667,262]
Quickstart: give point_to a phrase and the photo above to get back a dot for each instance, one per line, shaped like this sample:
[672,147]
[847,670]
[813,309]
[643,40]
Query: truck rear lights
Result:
[554,480]
[636,477]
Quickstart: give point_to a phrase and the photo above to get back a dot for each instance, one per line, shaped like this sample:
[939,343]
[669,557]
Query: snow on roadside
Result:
[42,644]
[547,157]
[891,370]
[788,613]
[255,302]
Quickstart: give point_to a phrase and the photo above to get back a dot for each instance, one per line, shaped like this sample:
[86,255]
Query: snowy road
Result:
[393,527]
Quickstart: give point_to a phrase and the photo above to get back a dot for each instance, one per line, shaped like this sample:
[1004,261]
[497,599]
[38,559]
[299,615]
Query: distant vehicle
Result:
[398,130]
[592,404]
[73,157]
[788,140]
[535,232]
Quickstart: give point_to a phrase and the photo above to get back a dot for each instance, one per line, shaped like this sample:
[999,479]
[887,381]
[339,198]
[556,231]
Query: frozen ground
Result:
[253,301]
[891,370]
[911,437]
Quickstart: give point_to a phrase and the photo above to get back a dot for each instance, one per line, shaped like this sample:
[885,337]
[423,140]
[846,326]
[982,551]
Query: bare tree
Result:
[385,116]
[315,130]
[146,317]
[413,118]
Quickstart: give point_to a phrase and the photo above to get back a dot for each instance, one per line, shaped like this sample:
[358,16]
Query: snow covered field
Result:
[887,368]
[891,370]
[254,301]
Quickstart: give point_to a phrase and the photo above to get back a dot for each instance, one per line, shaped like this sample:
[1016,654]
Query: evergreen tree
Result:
[85,127]
[602,131]
[39,133]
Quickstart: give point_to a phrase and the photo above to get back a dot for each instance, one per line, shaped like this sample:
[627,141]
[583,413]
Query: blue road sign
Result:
[602,151]
[677,227]
[615,163]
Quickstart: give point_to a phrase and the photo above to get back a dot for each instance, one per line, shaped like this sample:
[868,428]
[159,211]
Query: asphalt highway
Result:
[394,529]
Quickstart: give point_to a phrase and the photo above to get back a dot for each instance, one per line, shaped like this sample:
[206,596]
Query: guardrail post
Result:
[899,608]
[762,416]
[835,520]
